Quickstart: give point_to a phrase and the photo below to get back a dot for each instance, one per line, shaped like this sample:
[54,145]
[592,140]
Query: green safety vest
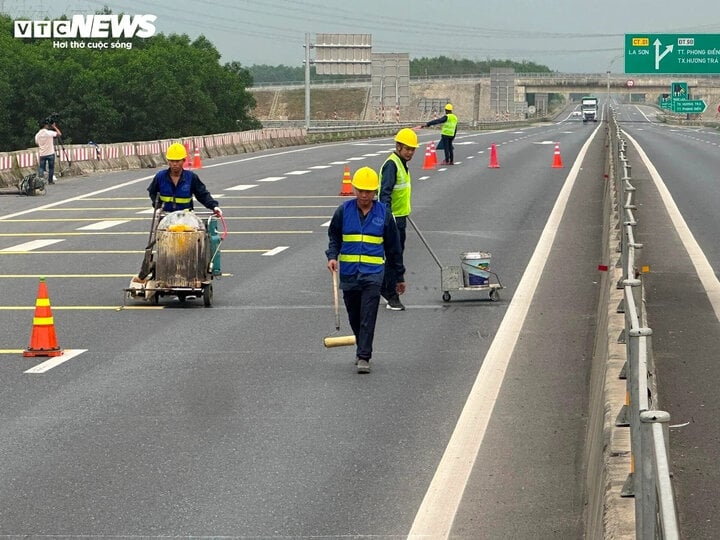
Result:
[450,125]
[400,202]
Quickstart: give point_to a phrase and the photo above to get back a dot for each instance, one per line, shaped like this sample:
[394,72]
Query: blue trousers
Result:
[448,148]
[390,279]
[361,303]
[50,160]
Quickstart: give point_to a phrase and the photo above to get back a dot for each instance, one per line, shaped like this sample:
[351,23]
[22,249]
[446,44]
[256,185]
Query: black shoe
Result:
[51,182]
[363,366]
[395,304]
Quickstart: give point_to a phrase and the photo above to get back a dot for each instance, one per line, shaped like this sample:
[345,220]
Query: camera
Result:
[51,119]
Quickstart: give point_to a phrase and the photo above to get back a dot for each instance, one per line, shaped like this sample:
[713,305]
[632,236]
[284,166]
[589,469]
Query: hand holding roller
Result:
[337,341]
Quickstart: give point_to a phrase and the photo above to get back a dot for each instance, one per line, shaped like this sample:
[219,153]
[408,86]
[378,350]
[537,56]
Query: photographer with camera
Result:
[45,139]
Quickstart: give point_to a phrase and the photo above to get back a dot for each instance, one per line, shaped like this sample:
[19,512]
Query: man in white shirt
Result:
[45,139]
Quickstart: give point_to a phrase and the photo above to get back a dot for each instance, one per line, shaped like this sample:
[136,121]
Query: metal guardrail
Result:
[649,478]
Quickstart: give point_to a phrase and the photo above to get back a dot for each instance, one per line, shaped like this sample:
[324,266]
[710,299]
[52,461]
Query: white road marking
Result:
[271,179]
[35,244]
[55,361]
[297,173]
[100,225]
[435,516]
[320,167]
[702,266]
[241,187]
[274,251]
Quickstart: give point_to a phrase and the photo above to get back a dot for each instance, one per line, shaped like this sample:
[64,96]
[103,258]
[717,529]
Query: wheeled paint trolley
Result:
[473,274]
[182,259]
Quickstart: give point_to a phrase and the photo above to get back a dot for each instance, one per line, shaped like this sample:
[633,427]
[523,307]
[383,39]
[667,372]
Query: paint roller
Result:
[337,341]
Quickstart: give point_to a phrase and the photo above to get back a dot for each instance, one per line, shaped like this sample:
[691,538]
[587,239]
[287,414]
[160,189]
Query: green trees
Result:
[162,87]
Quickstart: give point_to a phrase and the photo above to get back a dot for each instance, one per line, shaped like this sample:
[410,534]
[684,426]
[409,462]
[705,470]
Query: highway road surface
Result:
[233,421]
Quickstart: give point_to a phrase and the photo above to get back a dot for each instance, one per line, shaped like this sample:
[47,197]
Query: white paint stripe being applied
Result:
[702,266]
[29,246]
[55,361]
[275,251]
[100,225]
[436,514]
[272,179]
[241,187]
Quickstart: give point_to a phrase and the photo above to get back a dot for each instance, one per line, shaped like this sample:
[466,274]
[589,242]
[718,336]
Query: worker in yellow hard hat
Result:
[395,192]
[173,188]
[364,244]
[447,134]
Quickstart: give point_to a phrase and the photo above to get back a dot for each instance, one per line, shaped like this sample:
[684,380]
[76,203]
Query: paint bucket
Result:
[475,266]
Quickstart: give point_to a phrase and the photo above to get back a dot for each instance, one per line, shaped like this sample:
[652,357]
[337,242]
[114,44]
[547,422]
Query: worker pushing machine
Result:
[173,189]
[395,192]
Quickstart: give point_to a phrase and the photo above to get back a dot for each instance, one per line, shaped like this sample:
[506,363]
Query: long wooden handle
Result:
[335,296]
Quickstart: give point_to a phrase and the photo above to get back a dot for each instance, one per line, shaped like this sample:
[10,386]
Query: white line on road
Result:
[29,246]
[274,251]
[435,516]
[55,361]
[100,225]
[241,187]
[702,266]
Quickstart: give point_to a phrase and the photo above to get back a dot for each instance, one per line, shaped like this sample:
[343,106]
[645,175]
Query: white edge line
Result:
[55,361]
[442,499]
[697,256]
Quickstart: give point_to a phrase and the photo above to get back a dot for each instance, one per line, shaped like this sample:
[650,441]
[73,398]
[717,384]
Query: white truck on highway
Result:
[589,108]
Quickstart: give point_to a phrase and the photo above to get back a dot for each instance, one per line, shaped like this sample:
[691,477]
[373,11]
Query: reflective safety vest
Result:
[175,197]
[362,248]
[400,201]
[450,125]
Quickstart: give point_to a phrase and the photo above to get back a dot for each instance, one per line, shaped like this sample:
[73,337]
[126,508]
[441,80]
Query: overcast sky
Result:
[580,36]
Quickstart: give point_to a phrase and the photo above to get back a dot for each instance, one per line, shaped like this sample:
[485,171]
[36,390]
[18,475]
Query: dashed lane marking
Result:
[47,365]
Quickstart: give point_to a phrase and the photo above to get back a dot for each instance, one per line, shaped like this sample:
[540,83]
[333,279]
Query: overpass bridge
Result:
[505,95]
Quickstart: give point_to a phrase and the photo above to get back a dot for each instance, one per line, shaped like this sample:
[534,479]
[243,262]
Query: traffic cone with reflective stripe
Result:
[197,163]
[43,341]
[346,183]
[433,153]
[557,160]
[428,164]
[494,164]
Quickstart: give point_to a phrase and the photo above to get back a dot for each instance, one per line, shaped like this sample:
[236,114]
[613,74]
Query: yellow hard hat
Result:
[407,137]
[176,151]
[448,107]
[366,179]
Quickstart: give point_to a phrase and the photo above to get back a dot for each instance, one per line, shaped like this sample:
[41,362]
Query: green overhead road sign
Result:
[688,106]
[672,53]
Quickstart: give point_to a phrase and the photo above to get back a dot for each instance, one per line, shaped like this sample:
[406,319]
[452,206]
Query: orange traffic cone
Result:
[493,157]
[346,183]
[557,160]
[428,164]
[43,341]
[187,164]
[433,154]
[197,163]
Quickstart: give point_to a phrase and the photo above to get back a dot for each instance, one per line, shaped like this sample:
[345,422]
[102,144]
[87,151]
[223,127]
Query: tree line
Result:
[162,87]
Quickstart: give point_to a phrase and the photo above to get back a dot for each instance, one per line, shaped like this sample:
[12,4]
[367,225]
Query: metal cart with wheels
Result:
[182,259]
[462,278]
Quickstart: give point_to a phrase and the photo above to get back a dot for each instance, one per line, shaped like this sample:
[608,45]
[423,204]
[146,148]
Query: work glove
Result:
[217,211]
